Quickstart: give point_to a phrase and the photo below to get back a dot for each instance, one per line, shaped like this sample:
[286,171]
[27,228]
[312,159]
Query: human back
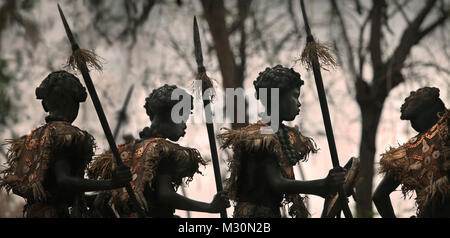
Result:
[46,167]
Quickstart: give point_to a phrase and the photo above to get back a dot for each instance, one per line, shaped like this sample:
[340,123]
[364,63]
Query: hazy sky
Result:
[153,62]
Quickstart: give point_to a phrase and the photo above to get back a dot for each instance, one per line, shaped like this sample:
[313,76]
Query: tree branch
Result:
[358,6]
[290,9]
[215,16]
[379,7]
[440,21]
[339,60]
[361,46]
[400,8]
[258,33]
[135,22]
[243,7]
[347,43]
[181,53]
[429,65]
[411,37]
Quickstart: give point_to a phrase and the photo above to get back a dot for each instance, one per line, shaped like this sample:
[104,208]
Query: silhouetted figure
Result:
[158,166]
[262,176]
[422,164]
[47,166]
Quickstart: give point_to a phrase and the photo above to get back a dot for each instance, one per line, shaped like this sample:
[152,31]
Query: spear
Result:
[206,84]
[123,111]
[79,59]
[310,56]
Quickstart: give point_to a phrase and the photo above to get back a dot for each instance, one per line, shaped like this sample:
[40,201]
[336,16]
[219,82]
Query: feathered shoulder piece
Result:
[30,156]
[144,158]
[257,137]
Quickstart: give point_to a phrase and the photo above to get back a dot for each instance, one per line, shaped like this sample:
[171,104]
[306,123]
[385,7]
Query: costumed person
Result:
[158,165]
[262,176]
[422,164]
[47,167]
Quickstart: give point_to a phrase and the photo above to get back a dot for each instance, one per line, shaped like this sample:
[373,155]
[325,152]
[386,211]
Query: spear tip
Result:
[195,26]
[60,10]
[67,29]
[198,47]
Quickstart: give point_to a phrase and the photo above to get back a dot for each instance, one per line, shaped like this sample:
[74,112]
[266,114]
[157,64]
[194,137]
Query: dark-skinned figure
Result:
[47,167]
[158,165]
[261,169]
[422,164]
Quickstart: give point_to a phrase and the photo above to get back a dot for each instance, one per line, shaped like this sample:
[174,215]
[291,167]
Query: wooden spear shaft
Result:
[123,112]
[325,112]
[208,115]
[100,113]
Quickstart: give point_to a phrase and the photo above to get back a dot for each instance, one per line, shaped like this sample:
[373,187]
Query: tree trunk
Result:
[215,16]
[371,113]
[232,73]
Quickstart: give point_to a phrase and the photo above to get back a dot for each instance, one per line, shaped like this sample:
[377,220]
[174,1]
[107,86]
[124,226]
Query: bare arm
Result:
[282,185]
[381,197]
[65,179]
[170,198]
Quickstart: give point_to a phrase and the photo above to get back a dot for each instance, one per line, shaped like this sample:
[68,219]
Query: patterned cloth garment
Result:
[30,159]
[248,144]
[144,159]
[422,165]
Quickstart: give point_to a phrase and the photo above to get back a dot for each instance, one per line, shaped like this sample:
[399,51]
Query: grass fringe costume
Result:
[29,160]
[422,165]
[144,159]
[248,144]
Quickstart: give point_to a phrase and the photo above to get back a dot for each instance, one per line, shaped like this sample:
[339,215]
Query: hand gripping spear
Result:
[206,83]
[311,56]
[80,62]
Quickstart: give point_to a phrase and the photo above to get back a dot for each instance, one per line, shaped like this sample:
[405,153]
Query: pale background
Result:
[152,63]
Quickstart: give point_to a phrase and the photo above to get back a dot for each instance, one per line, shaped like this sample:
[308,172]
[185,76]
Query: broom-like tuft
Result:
[84,56]
[317,51]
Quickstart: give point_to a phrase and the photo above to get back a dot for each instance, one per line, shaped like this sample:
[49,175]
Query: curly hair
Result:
[277,77]
[159,101]
[284,79]
[61,84]
[419,101]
